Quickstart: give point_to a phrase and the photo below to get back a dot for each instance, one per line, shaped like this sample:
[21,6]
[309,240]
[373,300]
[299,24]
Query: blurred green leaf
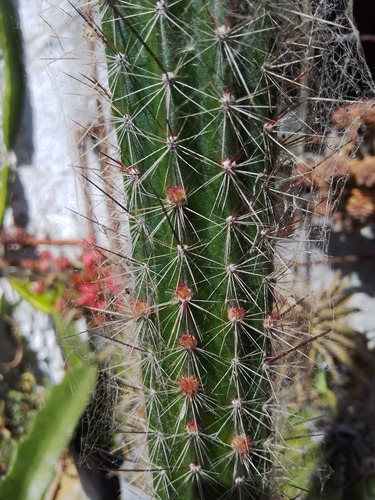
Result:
[4,174]
[327,397]
[11,47]
[71,343]
[36,457]
[43,302]
[302,455]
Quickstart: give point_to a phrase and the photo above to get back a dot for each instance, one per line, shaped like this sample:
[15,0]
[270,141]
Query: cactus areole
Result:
[188,77]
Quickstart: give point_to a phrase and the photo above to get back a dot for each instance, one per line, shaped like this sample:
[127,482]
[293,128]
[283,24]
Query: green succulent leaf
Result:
[36,457]
[11,48]
[4,175]
[43,302]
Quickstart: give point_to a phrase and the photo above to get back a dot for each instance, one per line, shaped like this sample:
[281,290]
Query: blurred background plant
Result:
[352,172]
[37,420]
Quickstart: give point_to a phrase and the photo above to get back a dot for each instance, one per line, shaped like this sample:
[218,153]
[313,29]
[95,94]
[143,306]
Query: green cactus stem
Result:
[189,100]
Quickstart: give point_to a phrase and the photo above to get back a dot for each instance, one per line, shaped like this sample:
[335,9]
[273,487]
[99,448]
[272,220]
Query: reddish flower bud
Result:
[183,293]
[187,342]
[176,196]
[140,309]
[37,287]
[236,314]
[241,444]
[191,427]
[188,385]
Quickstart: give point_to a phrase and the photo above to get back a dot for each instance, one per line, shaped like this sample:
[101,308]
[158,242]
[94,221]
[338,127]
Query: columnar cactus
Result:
[189,101]
[191,86]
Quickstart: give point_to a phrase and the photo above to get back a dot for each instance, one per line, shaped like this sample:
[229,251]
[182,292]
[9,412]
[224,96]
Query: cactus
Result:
[192,88]
[189,103]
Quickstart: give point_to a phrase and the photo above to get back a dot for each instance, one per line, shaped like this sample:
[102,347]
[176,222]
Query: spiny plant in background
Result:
[212,190]
[353,125]
[324,354]
[317,70]
[311,326]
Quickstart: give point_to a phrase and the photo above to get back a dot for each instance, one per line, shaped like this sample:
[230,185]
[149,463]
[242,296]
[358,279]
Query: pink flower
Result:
[91,296]
[62,263]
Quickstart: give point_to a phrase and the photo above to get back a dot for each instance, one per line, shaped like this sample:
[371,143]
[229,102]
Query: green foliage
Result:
[12,98]
[4,174]
[36,457]
[72,346]
[43,302]
[13,73]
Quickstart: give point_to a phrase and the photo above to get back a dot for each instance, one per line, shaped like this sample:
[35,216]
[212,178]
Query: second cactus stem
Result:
[189,101]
